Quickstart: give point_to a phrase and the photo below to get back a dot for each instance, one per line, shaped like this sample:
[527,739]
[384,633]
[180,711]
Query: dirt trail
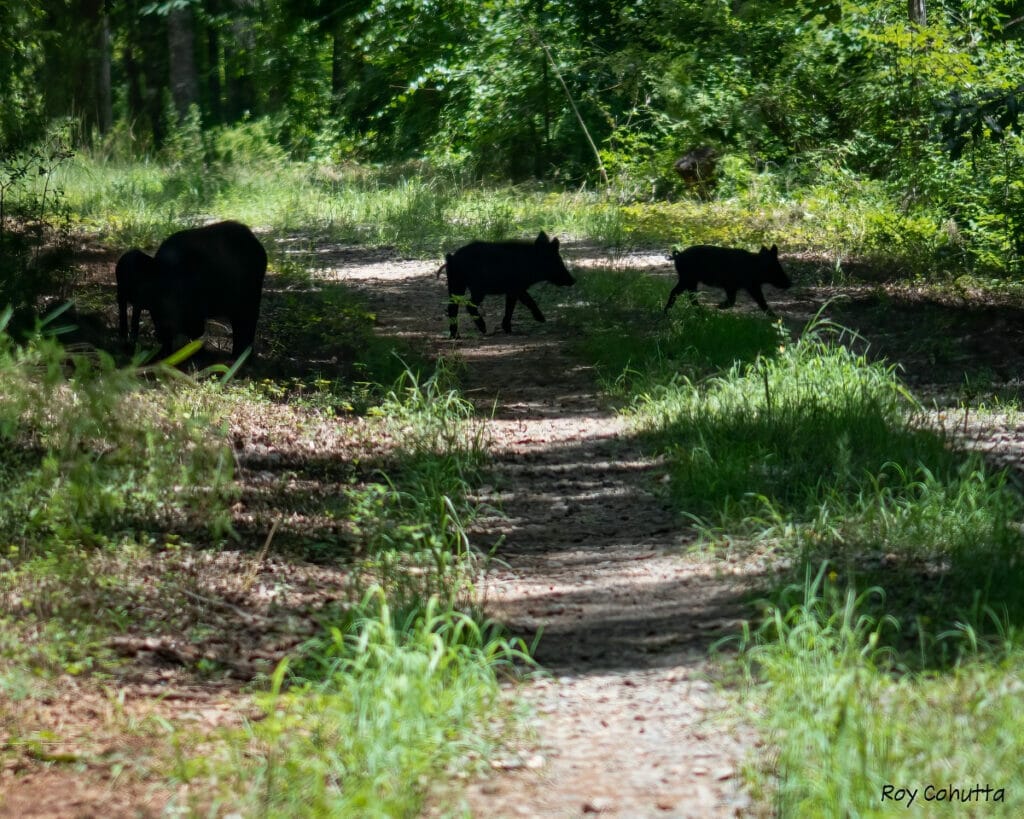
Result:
[630,722]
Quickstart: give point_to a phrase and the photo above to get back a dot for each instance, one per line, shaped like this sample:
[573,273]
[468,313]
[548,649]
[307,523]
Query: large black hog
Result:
[731,269]
[136,284]
[206,272]
[501,268]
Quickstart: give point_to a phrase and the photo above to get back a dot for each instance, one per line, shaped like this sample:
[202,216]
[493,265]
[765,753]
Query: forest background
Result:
[873,141]
[919,100]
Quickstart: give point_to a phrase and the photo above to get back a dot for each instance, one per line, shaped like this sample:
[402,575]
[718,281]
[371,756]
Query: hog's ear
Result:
[554,245]
[764,251]
[775,251]
[542,238]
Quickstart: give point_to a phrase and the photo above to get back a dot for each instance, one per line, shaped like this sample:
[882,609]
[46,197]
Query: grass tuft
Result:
[396,708]
[894,662]
[849,731]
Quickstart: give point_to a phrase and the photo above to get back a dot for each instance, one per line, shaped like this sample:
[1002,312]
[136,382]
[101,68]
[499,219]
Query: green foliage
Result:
[21,56]
[990,206]
[195,174]
[396,708]
[248,143]
[94,459]
[88,451]
[968,121]
[399,688]
[846,728]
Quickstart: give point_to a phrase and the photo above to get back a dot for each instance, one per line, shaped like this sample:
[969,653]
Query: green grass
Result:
[638,349]
[418,515]
[416,213]
[849,731]
[784,431]
[417,208]
[395,709]
[888,652]
[87,450]
[120,486]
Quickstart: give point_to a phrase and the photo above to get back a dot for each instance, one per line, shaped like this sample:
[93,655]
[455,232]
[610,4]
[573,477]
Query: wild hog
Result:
[501,268]
[698,169]
[206,272]
[731,269]
[136,284]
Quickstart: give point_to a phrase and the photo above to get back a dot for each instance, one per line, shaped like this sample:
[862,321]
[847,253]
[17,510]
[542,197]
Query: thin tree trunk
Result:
[213,87]
[132,70]
[575,109]
[240,92]
[337,68]
[181,49]
[104,94]
[917,12]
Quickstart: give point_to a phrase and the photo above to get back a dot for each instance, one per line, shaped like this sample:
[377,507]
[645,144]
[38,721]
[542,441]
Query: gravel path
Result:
[630,720]
[630,717]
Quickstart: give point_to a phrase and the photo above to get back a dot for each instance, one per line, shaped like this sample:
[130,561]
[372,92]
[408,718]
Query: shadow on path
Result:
[590,558]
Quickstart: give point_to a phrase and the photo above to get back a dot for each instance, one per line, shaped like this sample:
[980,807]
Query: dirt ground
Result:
[629,721]
[632,720]
[631,716]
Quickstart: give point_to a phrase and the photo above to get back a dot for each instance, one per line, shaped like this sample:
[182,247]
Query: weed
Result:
[392,709]
[847,729]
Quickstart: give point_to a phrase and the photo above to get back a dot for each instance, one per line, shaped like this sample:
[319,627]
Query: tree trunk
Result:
[104,94]
[917,12]
[240,91]
[181,38]
[132,70]
[213,88]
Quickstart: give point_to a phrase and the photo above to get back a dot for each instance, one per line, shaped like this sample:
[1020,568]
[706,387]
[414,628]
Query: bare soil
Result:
[631,718]
[590,560]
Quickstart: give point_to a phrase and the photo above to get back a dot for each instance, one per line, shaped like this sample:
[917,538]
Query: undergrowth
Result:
[400,690]
[89,450]
[108,472]
[425,210]
[856,733]
[886,656]
[395,707]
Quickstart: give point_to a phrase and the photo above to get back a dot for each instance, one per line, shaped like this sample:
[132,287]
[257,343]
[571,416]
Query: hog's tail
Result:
[441,270]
